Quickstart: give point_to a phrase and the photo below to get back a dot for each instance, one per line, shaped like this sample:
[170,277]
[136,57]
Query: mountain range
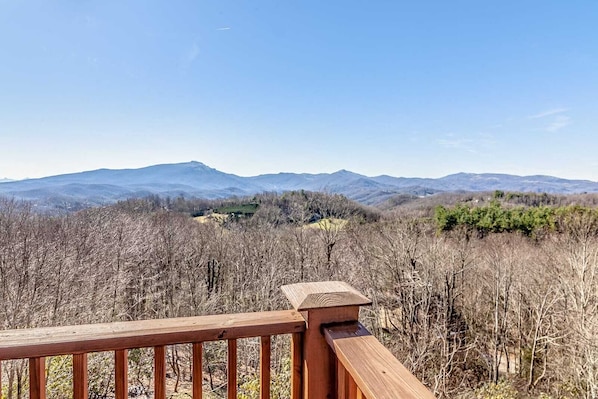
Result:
[194,179]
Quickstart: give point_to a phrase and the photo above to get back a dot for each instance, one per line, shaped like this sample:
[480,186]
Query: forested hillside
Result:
[474,310]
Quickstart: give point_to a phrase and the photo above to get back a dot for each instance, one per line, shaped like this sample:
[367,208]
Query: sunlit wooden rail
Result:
[36,344]
[332,354]
[379,375]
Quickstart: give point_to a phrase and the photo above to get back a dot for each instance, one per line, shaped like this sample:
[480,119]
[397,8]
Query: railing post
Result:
[322,303]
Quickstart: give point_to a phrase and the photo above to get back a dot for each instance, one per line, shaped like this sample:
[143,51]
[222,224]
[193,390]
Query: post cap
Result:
[324,294]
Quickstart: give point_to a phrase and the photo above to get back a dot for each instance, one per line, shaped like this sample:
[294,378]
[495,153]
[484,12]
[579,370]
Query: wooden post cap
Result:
[324,294]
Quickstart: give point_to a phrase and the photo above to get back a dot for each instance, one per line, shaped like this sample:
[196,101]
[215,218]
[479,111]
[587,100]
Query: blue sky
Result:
[424,88]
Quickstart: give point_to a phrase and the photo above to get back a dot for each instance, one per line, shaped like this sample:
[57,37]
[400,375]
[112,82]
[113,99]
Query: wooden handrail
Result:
[54,341]
[39,343]
[365,367]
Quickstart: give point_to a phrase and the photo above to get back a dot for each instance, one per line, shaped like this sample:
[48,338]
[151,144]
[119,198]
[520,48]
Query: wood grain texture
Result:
[265,348]
[352,388]
[324,294]
[377,373]
[341,381]
[296,365]
[232,369]
[319,365]
[121,374]
[51,341]
[159,372]
[197,370]
[80,376]
[37,378]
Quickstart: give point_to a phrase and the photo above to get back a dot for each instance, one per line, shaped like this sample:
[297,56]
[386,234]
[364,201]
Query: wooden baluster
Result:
[159,372]
[121,366]
[341,381]
[197,370]
[232,369]
[80,376]
[266,344]
[37,378]
[296,365]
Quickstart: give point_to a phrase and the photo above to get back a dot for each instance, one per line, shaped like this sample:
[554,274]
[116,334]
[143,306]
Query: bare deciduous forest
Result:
[473,313]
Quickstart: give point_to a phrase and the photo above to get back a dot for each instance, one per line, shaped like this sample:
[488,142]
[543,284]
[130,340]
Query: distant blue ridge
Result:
[195,179]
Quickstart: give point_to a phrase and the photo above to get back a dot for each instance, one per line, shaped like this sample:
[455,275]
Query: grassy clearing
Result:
[212,218]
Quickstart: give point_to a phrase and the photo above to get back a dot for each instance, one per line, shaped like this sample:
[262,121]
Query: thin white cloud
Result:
[559,122]
[549,112]
[224,28]
[553,119]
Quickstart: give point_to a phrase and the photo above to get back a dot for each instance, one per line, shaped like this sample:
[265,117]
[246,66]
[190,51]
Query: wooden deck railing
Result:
[36,344]
[332,355]
[378,375]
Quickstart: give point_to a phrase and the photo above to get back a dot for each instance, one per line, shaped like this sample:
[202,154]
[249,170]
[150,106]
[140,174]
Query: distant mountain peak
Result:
[197,164]
[344,172]
[460,174]
[191,165]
